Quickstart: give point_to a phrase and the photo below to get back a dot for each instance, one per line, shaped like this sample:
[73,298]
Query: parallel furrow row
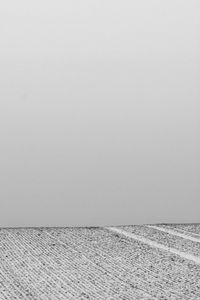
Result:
[53,260]
[74,263]
[152,262]
[97,271]
[182,266]
[121,244]
[131,273]
[30,275]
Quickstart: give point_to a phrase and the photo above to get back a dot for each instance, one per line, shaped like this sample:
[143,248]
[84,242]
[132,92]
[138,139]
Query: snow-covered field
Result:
[125,262]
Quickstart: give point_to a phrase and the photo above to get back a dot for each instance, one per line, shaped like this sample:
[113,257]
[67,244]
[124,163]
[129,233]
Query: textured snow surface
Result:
[125,262]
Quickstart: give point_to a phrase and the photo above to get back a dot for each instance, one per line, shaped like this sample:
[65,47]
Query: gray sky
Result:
[99,112]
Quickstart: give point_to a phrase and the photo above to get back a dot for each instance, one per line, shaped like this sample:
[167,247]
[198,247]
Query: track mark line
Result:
[176,233]
[144,240]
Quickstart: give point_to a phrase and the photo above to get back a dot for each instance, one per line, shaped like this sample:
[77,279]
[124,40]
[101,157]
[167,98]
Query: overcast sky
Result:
[99,112]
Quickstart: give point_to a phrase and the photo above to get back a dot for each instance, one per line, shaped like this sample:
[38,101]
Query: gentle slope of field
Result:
[125,262]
